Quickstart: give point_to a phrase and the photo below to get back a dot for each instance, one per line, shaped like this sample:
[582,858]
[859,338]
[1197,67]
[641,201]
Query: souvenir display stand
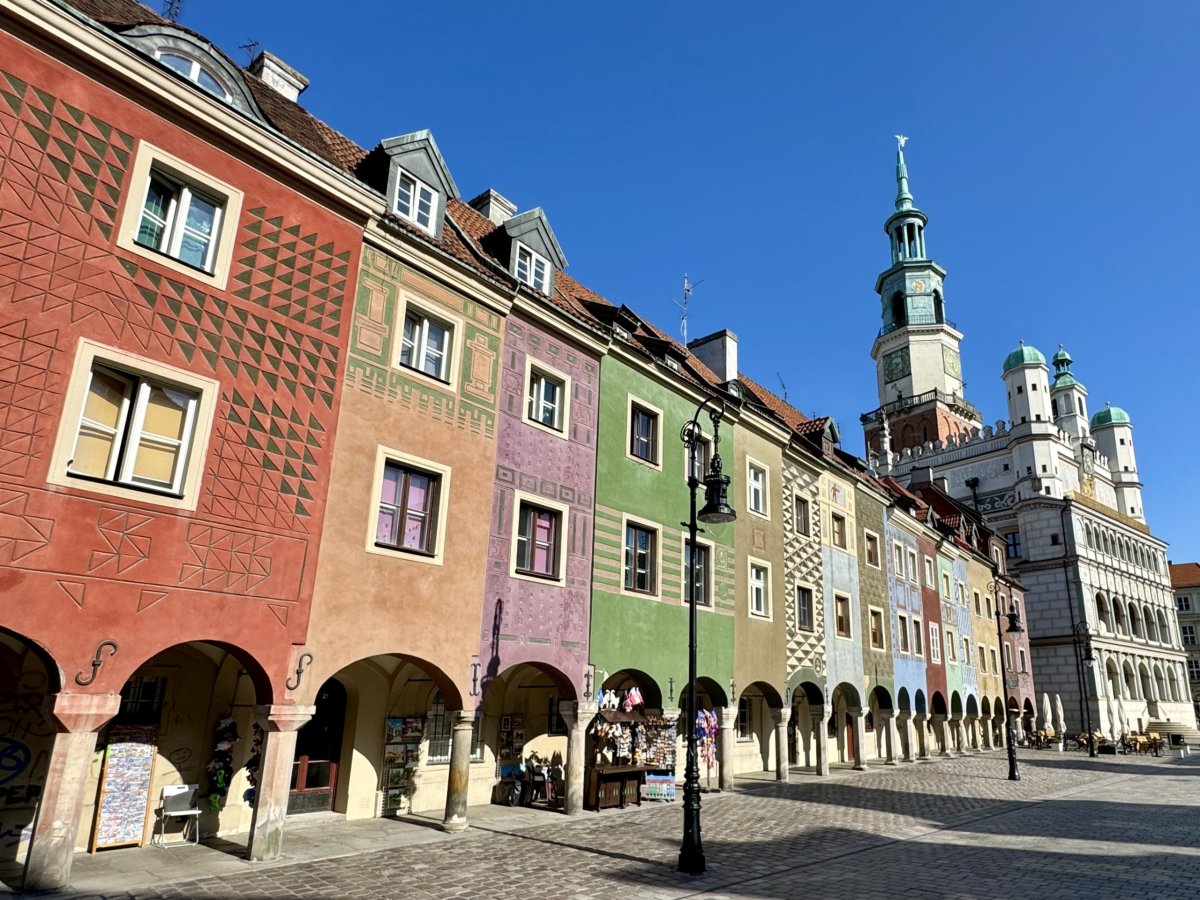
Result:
[402,754]
[632,754]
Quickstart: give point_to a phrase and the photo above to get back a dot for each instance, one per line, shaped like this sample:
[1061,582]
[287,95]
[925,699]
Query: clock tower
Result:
[917,365]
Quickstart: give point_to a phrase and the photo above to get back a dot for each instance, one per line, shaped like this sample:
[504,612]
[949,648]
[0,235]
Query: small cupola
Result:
[419,182]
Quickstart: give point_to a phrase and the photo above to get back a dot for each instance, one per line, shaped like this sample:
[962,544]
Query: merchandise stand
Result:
[633,754]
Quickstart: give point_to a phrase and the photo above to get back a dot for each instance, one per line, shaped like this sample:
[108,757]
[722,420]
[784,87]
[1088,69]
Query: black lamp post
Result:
[716,510]
[1010,735]
[1081,635]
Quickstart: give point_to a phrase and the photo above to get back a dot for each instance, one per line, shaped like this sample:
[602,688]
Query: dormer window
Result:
[192,70]
[415,201]
[531,269]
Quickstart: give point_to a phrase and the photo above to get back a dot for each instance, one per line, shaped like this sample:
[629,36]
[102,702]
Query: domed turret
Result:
[1068,397]
[1113,431]
[1023,356]
[1026,377]
[1110,415]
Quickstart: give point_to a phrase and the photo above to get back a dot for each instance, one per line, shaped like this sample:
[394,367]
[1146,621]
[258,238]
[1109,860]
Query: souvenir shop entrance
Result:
[630,751]
[318,751]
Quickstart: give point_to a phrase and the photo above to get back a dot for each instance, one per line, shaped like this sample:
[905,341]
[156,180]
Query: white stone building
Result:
[1062,489]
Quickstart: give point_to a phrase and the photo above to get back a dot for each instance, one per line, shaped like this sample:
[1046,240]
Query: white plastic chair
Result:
[179,801]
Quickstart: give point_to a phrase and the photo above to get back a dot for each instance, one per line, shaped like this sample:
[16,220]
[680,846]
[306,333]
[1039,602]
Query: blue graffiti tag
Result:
[14,759]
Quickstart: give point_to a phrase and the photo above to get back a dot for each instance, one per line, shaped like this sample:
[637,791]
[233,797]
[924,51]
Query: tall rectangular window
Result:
[531,269]
[1008,657]
[180,221]
[875,617]
[980,658]
[872,549]
[640,559]
[756,489]
[407,509]
[945,586]
[1189,635]
[415,201]
[966,641]
[1183,603]
[743,719]
[902,632]
[837,525]
[699,458]
[995,660]
[1024,661]
[978,603]
[134,430]
[545,404]
[898,559]
[803,521]
[951,649]
[537,540]
[804,609]
[760,590]
[841,606]
[643,434]
[912,567]
[929,582]
[935,642]
[1193,669]
[916,637]
[1012,544]
[425,345]
[700,559]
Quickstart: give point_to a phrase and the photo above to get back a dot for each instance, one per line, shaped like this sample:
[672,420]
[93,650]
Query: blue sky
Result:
[1053,146]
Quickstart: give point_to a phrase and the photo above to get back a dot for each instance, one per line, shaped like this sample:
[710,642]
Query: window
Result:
[1008,656]
[640,560]
[966,641]
[994,660]
[142,701]
[760,590]
[978,603]
[425,345]
[929,573]
[841,606]
[1193,669]
[700,461]
[546,399]
[701,561]
[743,719]
[643,434]
[555,723]
[408,505]
[756,489]
[946,585]
[181,221]
[935,643]
[912,567]
[988,602]
[1183,603]
[898,559]
[1012,542]
[872,547]
[960,596]
[802,516]
[916,638]
[1189,635]
[951,649]
[415,201]
[804,609]
[193,71]
[538,536]
[439,730]
[838,528]
[532,269]
[875,617]
[1024,663]
[980,658]
[902,632]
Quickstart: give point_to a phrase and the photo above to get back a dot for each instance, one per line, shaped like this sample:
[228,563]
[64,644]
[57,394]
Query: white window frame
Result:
[913,575]
[709,570]
[812,596]
[704,450]
[849,635]
[1187,634]
[763,508]
[898,559]
[994,660]
[935,642]
[752,564]
[981,658]
[804,528]
[904,644]
[977,603]
[560,550]
[194,74]
[845,545]
[1024,659]
[384,455]
[946,585]
[424,319]
[930,576]
[183,493]
[149,158]
[868,536]
[951,646]
[538,369]
[655,570]
[1008,663]
[631,401]
[531,259]
[918,637]
[418,191]
[883,620]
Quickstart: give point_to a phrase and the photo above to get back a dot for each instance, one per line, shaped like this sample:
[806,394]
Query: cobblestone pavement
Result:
[947,829]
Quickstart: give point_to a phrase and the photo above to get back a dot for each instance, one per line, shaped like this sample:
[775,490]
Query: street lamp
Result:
[1010,735]
[1081,636]
[716,511]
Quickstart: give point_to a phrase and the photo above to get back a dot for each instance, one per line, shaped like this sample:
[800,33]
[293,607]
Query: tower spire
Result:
[904,198]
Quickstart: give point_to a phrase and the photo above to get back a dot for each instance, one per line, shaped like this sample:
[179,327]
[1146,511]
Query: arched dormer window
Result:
[194,70]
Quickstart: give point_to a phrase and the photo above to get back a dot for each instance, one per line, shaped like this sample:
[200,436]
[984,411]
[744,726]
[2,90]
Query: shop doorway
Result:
[318,751]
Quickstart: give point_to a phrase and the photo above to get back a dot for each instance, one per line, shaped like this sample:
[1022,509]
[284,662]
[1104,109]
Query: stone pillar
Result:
[971,736]
[52,846]
[455,819]
[856,719]
[885,722]
[782,717]
[985,733]
[942,733]
[819,740]
[725,743]
[919,721]
[904,733]
[956,729]
[280,724]
[577,716]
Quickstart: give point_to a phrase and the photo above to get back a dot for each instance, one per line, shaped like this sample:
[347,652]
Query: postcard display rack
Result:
[633,756]
[401,755]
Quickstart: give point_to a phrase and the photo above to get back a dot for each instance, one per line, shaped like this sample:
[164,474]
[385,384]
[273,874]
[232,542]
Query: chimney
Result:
[718,351]
[498,208]
[279,75]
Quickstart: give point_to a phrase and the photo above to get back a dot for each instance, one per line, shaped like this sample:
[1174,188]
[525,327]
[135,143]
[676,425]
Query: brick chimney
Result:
[279,75]
[718,351]
[498,208]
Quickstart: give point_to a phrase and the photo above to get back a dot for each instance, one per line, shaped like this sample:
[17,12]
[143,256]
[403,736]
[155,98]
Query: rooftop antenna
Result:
[172,9]
[782,385]
[251,48]
[688,287]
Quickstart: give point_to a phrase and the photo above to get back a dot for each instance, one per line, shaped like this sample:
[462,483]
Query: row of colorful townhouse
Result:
[323,489]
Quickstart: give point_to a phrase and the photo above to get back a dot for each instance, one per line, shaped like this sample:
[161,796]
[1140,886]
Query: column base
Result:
[454,826]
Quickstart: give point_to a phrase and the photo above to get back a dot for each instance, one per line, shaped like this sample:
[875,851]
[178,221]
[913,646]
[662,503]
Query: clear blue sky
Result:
[1053,146]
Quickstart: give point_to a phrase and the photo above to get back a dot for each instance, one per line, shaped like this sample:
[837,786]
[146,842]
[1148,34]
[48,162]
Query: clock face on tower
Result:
[895,365]
[951,363]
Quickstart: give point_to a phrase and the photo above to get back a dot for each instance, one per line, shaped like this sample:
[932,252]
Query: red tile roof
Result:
[1185,575]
